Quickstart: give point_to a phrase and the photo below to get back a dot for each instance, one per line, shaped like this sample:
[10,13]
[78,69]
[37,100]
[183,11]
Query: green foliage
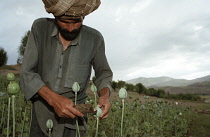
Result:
[114,85]
[141,88]
[184,96]
[121,84]
[130,87]
[156,118]
[22,47]
[200,125]
[150,119]
[3,57]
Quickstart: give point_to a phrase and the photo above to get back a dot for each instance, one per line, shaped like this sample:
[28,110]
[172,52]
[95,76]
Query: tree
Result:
[114,85]
[121,84]
[141,88]
[3,57]
[22,47]
[129,86]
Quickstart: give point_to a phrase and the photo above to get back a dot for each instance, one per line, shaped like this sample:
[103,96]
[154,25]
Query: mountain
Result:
[196,88]
[149,81]
[166,81]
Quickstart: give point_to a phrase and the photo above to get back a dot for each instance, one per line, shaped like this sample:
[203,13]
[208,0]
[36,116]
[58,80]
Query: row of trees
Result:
[22,47]
[139,88]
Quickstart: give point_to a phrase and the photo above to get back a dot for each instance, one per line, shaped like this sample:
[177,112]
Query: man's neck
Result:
[64,42]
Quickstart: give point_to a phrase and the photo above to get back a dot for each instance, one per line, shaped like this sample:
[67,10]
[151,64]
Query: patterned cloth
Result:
[71,9]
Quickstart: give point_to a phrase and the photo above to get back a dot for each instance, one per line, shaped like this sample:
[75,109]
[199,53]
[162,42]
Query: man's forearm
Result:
[47,94]
[104,93]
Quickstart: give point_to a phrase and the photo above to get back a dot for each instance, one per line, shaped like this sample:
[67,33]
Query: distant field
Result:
[205,96]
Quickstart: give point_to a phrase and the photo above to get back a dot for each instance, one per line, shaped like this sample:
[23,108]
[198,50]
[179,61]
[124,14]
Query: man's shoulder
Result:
[92,31]
[43,21]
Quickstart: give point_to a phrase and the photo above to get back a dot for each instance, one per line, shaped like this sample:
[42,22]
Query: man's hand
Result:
[104,103]
[64,107]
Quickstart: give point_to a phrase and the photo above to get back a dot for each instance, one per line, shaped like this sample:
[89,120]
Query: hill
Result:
[166,81]
[196,88]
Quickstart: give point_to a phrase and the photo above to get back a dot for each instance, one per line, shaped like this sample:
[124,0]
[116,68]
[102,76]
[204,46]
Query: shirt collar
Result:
[75,42]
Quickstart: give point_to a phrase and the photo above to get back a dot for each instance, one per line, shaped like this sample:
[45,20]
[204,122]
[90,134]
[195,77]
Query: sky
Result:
[144,38]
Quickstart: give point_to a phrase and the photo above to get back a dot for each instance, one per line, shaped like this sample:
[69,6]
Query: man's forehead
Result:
[69,20]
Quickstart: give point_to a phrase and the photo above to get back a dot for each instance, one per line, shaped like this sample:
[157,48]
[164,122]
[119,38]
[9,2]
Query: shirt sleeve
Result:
[30,80]
[103,72]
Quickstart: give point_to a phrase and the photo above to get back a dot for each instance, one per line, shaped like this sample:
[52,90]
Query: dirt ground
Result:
[16,71]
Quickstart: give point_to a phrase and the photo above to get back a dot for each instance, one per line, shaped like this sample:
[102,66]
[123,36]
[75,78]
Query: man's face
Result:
[69,29]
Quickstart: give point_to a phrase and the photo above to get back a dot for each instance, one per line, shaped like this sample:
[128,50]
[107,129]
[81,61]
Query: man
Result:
[59,52]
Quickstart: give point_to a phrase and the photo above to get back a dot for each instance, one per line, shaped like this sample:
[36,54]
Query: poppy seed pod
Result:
[10,76]
[93,88]
[98,112]
[13,88]
[2,94]
[123,93]
[49,124]
[75,87]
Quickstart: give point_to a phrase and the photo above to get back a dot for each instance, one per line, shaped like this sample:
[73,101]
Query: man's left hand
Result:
[105,105]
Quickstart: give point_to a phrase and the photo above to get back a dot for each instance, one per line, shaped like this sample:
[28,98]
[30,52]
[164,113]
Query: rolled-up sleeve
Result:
[103,72]
[30,80]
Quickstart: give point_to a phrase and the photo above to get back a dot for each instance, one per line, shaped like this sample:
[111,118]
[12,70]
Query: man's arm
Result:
[30,80]
[103,79]
[104,103]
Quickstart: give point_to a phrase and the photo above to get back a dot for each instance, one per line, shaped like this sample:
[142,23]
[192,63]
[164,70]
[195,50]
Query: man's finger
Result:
[105,110]
[70,114]
[105,116]
[75,112]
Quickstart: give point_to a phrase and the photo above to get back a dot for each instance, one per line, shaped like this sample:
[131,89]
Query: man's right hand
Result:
[64,107]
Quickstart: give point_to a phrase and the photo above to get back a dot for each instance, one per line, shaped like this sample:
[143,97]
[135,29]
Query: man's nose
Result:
[70,27]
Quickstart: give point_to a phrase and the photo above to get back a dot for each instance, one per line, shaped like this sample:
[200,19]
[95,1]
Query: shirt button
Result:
[62,53]
[60,66]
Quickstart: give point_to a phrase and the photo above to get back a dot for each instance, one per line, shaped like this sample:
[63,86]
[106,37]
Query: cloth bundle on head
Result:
[71,9]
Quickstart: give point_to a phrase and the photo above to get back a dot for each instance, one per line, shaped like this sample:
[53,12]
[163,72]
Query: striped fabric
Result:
[71,9]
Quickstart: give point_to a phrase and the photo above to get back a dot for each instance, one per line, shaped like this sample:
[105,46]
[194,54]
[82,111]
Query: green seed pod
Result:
[2,94]
[93,88]
[75,87]
[175,117]
[159,101]
[98,112]
[123,93]
[49,124]
[10,76]
[13,88]
[143,107]
[155,105]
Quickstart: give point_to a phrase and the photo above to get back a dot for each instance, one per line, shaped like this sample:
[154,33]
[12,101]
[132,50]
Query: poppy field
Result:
[157,118]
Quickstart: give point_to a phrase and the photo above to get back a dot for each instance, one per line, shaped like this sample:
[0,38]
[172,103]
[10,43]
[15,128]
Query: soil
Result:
[16,71]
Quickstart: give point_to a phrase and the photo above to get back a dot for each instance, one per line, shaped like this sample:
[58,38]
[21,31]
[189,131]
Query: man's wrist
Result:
[104,93]
[47,94]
